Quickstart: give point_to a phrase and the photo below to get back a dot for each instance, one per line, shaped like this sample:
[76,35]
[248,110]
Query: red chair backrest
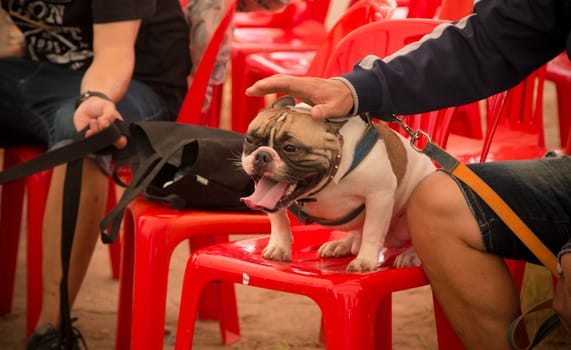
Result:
[518,109]
[384,38]
[380,38]
[357,15]
[190,111]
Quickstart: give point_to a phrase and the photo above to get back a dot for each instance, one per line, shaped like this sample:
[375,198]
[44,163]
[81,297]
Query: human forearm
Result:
[113,60]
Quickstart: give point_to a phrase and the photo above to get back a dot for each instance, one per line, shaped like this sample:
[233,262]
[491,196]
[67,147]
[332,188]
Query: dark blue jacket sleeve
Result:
[489,51]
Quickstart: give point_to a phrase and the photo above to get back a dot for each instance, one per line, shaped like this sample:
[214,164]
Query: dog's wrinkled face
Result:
[288,153]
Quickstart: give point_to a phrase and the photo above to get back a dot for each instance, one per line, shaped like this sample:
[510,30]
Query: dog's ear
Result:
[283,102]
[334,125]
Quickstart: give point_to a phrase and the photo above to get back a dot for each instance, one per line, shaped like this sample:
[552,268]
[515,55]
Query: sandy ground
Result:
[268,319]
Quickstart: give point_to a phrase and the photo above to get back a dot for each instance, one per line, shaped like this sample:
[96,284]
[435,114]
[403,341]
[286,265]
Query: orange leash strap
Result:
[511,219]
[456,168]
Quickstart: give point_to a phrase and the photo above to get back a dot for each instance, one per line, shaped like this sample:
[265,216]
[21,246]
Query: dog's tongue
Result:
[266,194]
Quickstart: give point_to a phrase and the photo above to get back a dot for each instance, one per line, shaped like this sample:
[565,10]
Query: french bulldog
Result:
[345,173]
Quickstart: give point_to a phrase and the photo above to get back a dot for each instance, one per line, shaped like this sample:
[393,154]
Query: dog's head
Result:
[288,153]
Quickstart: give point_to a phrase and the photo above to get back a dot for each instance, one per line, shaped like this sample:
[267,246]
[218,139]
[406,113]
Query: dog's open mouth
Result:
[269,195]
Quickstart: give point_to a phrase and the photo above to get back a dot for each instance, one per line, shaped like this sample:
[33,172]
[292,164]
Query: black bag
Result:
[187,166]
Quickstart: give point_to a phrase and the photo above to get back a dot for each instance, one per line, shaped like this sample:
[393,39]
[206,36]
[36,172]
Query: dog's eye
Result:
[248,139]
[290,148]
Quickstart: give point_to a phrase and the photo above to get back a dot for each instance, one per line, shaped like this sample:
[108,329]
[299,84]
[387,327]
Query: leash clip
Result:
[415,135]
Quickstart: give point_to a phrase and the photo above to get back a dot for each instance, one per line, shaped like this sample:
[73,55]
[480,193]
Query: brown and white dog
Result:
[343,173]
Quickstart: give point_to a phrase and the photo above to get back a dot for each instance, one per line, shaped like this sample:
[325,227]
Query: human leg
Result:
[41,99]
[473,287]
[92,203]
[91,210]
[460,240]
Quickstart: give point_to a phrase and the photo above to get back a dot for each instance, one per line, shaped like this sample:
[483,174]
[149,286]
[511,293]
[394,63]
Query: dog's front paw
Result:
[407,259]
[362,265]
[277,253]
[335,249]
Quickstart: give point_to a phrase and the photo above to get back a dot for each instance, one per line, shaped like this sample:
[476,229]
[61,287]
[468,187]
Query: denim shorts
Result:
[538,190]
[37,102]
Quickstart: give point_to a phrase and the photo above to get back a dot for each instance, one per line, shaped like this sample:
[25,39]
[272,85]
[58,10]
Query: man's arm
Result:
[110,73]
[487,52]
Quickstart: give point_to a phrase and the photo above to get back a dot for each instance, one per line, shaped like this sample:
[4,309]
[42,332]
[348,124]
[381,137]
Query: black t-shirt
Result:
[61,32]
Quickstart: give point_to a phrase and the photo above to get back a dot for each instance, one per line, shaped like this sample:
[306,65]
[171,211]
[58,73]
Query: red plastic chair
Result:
[306,34]
[354,306]
[311,62]
[35,187]
[151,231]
[515,125]
[559,72]
[323,279]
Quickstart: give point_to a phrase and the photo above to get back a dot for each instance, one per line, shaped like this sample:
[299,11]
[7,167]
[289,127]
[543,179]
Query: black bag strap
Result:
[146,172]
[71,197]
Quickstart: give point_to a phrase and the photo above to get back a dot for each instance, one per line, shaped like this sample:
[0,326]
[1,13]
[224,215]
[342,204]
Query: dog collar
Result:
[364,146]
[332,172]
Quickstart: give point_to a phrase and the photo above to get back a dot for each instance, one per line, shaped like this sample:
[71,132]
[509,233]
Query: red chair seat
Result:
[356,307]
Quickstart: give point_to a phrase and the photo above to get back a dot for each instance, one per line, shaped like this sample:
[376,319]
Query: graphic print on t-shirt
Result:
[57,31]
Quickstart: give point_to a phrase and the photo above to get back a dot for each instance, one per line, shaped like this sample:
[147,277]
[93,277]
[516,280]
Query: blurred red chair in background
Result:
[559,72]
[310,62]
[514,125]
[307,32]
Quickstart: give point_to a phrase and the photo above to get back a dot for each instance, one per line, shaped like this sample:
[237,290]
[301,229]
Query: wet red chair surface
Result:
[356,307]
[35,189]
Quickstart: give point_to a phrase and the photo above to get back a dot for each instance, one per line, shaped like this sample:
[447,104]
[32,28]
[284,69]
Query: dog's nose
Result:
[262,158]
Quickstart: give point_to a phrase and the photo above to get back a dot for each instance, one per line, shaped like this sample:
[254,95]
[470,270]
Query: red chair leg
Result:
[209,306]
[11,211]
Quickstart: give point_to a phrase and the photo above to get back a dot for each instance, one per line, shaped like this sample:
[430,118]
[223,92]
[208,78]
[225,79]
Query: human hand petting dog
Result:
[329,98]
[97,113]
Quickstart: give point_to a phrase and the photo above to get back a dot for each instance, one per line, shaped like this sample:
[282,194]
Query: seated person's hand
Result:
[97,114]
[562,295]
